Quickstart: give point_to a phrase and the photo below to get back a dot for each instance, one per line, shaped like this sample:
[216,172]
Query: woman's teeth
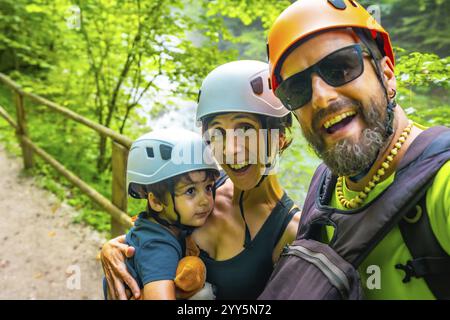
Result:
[338,119]
[238,166]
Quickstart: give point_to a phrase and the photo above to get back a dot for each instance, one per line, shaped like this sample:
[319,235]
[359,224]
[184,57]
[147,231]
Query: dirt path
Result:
[43,254]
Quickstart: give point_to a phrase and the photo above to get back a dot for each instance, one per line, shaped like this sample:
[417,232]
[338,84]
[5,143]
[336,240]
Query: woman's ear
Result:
[282,141]
[154,202]
[387,68]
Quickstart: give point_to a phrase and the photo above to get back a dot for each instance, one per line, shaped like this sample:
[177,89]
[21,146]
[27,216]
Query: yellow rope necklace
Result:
[359,199]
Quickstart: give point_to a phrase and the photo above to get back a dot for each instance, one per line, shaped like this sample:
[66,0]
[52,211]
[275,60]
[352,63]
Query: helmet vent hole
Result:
[166,151]
[150,152]
[338,4]
[354,3]
[257,85]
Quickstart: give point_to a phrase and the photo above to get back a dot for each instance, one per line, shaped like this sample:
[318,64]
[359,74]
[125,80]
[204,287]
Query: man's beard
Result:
[349,157]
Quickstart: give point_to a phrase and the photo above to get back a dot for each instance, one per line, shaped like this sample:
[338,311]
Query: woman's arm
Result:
[113,256]
[159,290]
[288,236]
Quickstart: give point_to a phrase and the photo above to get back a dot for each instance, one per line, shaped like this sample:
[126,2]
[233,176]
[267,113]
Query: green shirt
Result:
[392,249]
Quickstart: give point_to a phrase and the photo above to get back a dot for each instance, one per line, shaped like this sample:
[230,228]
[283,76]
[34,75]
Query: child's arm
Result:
[159,290]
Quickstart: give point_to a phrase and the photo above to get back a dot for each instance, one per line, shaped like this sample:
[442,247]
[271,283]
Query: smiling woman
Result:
[253,217]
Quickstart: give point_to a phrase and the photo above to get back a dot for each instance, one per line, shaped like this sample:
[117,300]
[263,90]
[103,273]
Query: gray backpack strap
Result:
[311,199]
[430,261]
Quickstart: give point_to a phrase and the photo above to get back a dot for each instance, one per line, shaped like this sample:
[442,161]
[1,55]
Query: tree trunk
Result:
[101,154]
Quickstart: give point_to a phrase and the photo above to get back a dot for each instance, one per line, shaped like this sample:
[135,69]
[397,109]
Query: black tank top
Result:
[245,275]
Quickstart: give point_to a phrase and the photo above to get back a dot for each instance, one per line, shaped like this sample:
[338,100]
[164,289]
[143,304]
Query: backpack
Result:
[310,269]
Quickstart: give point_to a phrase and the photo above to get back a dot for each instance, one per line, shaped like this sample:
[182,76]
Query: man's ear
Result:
[387,69]
[154,202]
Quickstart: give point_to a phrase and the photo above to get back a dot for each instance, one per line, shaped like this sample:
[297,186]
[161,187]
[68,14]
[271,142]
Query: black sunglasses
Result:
[336,69]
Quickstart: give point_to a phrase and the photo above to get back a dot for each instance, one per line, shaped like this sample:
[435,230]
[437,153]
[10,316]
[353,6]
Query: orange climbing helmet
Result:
[306,17]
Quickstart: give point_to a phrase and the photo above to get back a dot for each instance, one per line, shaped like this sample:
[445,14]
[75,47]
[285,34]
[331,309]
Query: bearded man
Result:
[383,193]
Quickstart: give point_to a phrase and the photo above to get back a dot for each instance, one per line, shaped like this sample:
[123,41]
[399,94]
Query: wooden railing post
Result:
[117,208]
[22,131]
[119,191]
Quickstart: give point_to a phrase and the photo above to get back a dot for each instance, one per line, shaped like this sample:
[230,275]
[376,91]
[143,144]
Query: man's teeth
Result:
[338,118]
[238,166]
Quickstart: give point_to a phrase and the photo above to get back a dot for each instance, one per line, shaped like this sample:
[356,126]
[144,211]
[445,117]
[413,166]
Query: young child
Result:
[178,187]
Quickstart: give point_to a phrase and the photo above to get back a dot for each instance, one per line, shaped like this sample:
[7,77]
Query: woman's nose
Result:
[233,144]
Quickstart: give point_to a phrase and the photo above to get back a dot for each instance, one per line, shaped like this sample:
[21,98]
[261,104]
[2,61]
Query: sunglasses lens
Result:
[341,67]
[295,91]
[337,69]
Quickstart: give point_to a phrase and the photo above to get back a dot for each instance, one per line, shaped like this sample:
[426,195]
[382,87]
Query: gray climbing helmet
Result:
[163,154]
[239,86]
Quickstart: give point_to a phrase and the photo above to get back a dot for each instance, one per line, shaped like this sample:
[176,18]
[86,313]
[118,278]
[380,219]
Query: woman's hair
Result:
[283,124]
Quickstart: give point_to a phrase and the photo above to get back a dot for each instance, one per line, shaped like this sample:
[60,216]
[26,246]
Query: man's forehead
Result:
[316,48]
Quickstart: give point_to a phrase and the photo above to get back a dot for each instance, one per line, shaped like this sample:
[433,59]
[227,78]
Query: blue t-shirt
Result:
[157,252]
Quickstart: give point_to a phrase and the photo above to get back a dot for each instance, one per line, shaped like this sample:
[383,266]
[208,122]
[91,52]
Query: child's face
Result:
[194,198]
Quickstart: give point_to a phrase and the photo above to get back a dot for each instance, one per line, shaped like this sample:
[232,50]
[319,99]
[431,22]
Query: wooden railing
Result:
[117,207]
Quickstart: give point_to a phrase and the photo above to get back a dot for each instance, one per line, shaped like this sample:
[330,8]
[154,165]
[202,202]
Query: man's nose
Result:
[322,93]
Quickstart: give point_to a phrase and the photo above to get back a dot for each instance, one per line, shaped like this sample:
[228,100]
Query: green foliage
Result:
[93,217]
[248,10]
[424,83]
[418,69]
[26,37]
[7,134]
[297,165]
[421,25]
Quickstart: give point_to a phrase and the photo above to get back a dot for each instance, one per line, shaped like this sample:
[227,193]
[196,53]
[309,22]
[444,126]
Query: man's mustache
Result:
[333,108]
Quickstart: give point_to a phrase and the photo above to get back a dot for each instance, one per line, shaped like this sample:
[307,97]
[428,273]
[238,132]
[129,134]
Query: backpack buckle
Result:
[409,270]
[286,249]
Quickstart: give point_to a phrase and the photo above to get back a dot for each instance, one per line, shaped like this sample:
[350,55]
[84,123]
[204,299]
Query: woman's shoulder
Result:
[294,215]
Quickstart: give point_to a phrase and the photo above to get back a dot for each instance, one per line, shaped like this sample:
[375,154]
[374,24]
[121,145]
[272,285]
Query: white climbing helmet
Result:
[163,154]
[239,86]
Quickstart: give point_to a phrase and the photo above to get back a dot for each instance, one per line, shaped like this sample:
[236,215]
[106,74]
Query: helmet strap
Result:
[267,164]
[185,230]
[364,35]
[390,117]
[247,239]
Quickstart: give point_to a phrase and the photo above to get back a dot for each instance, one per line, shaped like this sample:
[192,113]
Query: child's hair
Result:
[160,189]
